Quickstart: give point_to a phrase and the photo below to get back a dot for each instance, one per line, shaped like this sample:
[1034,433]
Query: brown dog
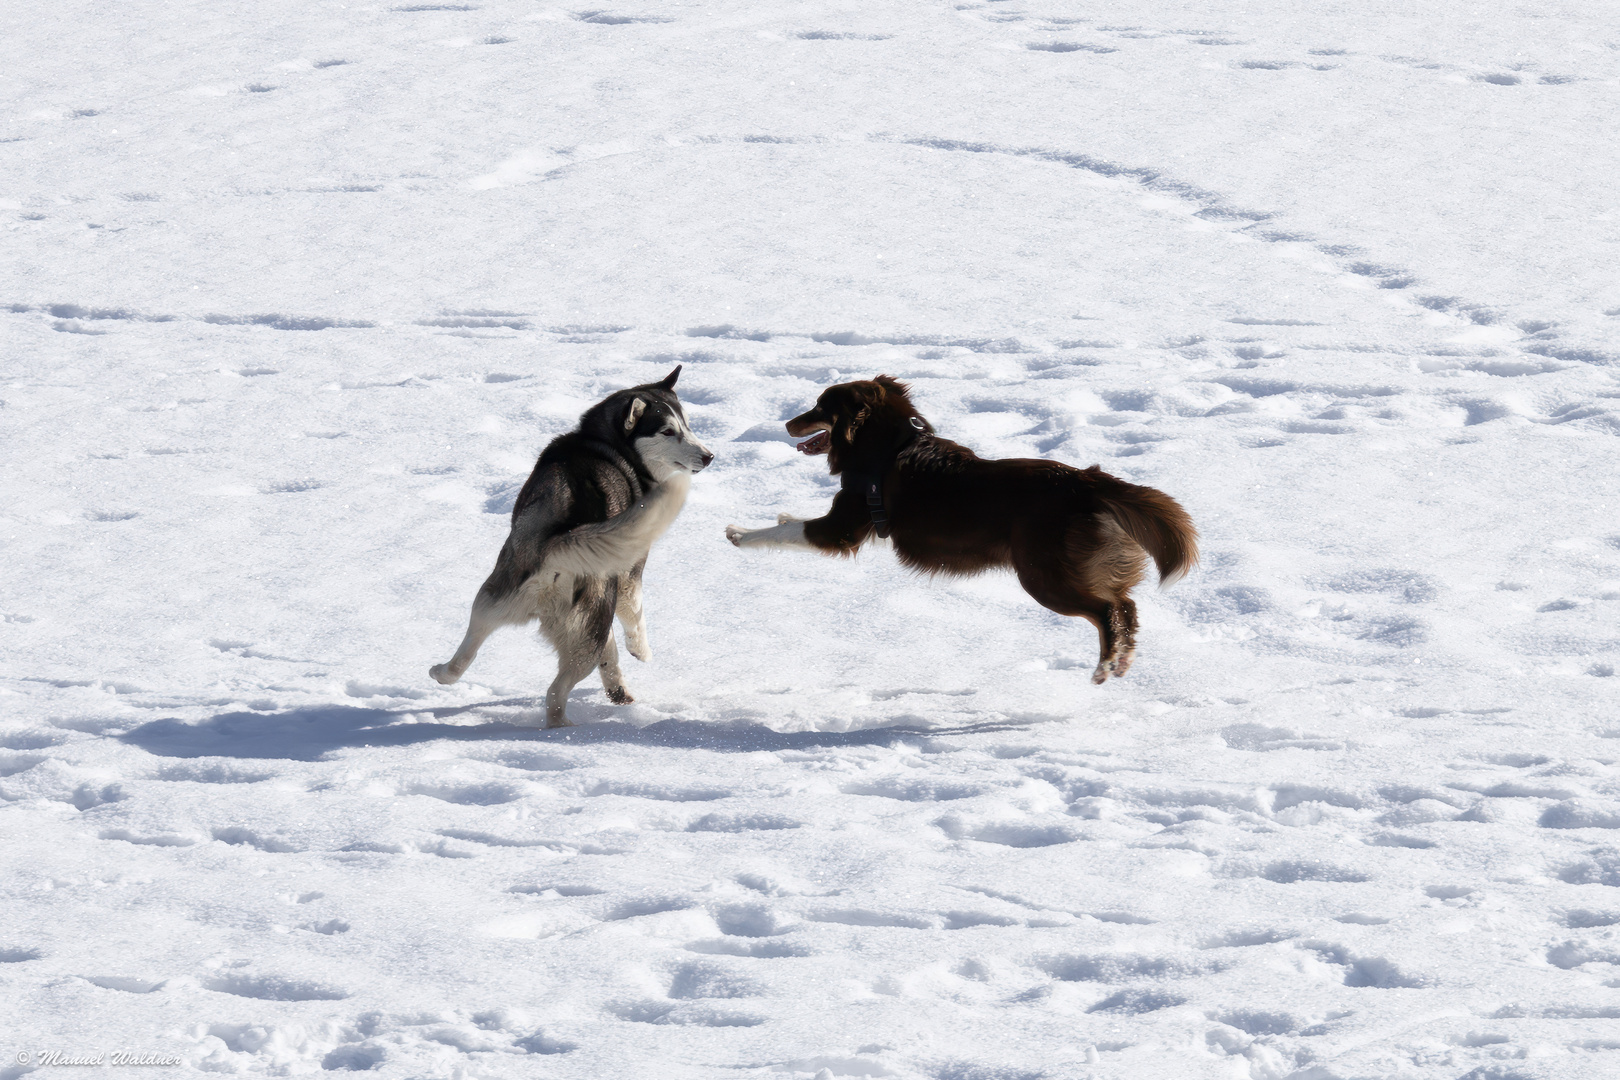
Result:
[1076,538]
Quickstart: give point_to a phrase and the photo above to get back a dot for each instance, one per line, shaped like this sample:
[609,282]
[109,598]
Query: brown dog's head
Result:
[857,420]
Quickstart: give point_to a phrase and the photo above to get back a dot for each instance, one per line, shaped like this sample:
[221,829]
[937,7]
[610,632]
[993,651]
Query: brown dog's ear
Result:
[892,385]
[855,421]
[669,380]
[633,413]
[856,407]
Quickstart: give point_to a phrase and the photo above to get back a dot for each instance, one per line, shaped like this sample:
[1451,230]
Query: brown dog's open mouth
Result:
[819,443]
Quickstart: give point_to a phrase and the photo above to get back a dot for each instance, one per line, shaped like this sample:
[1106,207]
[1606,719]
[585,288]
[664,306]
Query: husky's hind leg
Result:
[580,627]
[479,627]
[490,612]
[569,673]
[508,597]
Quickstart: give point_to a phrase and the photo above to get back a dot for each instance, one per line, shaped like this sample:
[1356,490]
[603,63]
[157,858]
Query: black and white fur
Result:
[581,529]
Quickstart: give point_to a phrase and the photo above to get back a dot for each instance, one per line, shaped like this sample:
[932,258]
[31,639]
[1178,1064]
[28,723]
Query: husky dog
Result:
[1078,539]
[581,529]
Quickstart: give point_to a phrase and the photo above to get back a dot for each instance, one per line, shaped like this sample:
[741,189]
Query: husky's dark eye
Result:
[668,431]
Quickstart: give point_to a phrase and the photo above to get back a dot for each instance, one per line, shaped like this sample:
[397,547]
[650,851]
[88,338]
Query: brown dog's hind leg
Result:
[1052,590]
[1108,662]
[1122,617]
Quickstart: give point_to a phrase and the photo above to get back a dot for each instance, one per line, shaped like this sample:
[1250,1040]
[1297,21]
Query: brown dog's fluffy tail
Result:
[1158,524]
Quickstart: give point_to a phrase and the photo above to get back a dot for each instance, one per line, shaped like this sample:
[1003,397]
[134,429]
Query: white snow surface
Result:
[292,295]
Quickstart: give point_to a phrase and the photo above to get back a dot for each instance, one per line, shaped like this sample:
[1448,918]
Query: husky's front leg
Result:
[631,615]
[612,677]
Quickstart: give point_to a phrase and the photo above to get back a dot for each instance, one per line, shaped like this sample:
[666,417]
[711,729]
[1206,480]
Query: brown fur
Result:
[1077,538]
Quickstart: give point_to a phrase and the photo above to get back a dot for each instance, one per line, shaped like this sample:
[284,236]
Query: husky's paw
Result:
[735,535]
[442,673]
[787,519]
[619,695]
[558,721]
[636,642]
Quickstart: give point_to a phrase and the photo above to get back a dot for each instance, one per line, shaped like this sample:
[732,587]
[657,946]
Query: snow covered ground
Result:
[292,295]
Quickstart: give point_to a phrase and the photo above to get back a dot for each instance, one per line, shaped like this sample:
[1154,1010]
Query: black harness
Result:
[870,485]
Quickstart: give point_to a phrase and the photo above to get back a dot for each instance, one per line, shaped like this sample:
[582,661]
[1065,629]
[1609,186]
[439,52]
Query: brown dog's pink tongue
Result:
[819,443]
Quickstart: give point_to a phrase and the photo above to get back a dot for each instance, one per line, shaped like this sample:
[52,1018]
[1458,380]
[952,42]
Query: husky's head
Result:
[655,425]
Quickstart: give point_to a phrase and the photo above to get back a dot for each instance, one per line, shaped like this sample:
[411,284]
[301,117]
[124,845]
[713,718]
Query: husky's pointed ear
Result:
[633,413]
[669,380]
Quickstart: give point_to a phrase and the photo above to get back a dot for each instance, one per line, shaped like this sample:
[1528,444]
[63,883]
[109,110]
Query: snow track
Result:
[297,296]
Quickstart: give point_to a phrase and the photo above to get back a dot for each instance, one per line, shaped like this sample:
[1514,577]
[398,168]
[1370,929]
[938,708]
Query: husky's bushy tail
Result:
[615,546]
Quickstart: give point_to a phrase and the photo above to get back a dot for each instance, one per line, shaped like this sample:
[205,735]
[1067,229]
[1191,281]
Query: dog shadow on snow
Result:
[312,732]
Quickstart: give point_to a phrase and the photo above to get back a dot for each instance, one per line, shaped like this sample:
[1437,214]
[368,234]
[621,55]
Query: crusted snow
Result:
[293,294]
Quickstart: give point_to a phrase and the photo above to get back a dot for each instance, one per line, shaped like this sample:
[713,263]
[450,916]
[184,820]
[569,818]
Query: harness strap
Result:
[874,505]
[871,484]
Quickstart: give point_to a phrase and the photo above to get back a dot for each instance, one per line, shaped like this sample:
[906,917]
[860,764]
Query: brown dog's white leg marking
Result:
[787,535]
